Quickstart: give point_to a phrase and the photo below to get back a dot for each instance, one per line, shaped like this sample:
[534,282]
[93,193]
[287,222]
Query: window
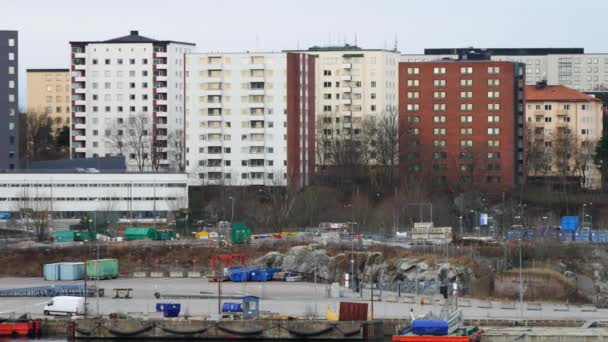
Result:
[493,179]
[107,61]
[466,107]
[414,167]
[326,84]
[144,61]
[440,155]
[11,42]
[439,83]
[373,108]
[439,119]
[584,131]
[413,83]
[439,107]
[493,143]
[440,143]
[466,94]
[413,71]
[493,155]
[584,107]
[326,96]
[493,70]
[493,167]
[413,131]
[11,56]
[439,71]
[493,82]
[466,131]
[373,84]
[493,107]
[326,72]
[439,131]
[439,94]
[548,119]
[493,118]
[413,155]
[466,155]
[413,119]
[547,107]
[466,70]
[566,107]
[466,143]
[412,107]
[466,83]
[493,94]
[410,94]
[440,167]
[372,96]
[466,118]
[493,131]
[466,167]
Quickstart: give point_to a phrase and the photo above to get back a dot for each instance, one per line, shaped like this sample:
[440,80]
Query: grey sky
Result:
[46,26]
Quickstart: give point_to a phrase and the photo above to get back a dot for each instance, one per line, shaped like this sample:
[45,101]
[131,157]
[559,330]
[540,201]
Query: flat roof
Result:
[132,38]
[508,51]
[339,48]
[47,70]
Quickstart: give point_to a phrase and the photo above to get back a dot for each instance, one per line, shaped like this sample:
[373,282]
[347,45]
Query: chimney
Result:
[135,33]
[541,84]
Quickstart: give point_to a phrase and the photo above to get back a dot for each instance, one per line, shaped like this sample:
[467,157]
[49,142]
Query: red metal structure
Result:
[15,329]
[227,259]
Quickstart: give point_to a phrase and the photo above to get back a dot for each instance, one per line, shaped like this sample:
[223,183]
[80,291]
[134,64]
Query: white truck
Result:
[65,305]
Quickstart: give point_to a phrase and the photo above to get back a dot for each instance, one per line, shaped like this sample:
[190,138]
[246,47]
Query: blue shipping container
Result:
[232,307]
[169,309]
[430,327]
[71,271]
[51,272]
[569,223]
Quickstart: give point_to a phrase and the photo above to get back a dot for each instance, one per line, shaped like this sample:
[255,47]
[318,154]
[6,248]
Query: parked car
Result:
[65,305]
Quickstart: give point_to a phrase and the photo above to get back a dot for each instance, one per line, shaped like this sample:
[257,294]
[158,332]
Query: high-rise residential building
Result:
[127,99]
[461,123]
[238,118]
[9,97]
[572,67]
[48,91]
[563,128]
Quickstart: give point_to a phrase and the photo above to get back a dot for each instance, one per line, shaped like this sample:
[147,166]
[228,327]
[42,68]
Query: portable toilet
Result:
[251,307]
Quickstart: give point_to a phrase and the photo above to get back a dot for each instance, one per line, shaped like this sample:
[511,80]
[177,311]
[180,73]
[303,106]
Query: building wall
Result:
[583,72]
[102,100]
[583,121]
[139,193]
[351,85]
[237,118]
[9,97]
[48,91]
[443,150]
[300,118]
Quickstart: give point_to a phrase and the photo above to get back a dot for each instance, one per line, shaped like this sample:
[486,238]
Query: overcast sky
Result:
[46,26]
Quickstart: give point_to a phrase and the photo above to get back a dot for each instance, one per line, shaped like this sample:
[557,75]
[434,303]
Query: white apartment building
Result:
[127,98]
[68,195]
[571,67]
[236,118]
[352,83]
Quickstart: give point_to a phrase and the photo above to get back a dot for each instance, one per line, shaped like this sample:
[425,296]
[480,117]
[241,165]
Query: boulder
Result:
[272,259]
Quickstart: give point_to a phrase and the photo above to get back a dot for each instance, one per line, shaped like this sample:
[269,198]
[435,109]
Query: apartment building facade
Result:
[9,97]
[127,99]
[563,128]
[237,118]
[461,124]
[571,67]
[48,92]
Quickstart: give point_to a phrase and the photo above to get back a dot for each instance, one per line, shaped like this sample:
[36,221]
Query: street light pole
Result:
[521,286]
[232,212]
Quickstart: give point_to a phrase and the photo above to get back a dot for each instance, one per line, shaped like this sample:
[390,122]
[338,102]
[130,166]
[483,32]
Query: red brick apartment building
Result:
[461,123]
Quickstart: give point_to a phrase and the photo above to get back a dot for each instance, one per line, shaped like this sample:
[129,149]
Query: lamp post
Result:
[474,222]
[460,218]
[352,245]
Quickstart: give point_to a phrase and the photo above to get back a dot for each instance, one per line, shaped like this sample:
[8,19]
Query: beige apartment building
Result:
[48,91]
[563,128]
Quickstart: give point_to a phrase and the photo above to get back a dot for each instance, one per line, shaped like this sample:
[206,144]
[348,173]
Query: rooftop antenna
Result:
[355,39]
[395,48]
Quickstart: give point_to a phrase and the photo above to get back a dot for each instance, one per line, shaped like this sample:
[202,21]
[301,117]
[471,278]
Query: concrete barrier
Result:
[534,306]
[408,300]
[588,308]
[485,305]
[176,274]
[508,306]
[466,303]
[565,307]
[157,274]
[140,274]
[194,274]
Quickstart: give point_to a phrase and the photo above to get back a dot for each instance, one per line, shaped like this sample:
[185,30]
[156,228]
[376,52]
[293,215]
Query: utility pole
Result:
[521,286]
[314,257]
[232,212]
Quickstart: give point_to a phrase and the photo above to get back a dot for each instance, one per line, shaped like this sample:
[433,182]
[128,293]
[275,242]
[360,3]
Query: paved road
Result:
[295,299]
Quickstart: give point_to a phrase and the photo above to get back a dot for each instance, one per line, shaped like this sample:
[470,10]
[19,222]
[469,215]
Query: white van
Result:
[65,305]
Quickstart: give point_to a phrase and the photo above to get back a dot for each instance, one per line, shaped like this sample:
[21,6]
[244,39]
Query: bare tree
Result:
[33,209]
[583,162]
[380,145]
[176,149]
[133,137]
[38,141]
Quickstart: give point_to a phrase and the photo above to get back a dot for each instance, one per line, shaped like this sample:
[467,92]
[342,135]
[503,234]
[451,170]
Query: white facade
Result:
[583,72]
[70,194]
[236,125]
[354,83]
[116,81]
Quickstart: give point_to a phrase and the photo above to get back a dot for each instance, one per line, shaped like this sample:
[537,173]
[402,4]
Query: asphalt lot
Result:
[296,299]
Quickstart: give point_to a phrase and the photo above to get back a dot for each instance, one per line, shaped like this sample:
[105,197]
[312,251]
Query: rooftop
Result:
[557,93]
[132,38]
[508,51]
[339,48]
[47,70]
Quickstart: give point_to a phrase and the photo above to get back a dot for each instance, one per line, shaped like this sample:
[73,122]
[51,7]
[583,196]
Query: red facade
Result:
[300,118]
[461,124]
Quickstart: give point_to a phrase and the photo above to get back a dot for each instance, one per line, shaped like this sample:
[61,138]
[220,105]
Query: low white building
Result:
[69,195]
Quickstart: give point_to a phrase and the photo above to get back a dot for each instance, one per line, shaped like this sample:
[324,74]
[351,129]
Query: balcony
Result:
[255,66]
[212,79]
[345,101]
[163,78]
[79,66]
[346,89]
[212,66]
[80,79]
[159,114]
[160,102]
[347,65]
[346,77]
[562,124]
[255,92]
[213,92]
[80,55]
[80,102]
[256,105]
[79,114]
[162,90]
[160,54]
[79,138]
[561,112]
[255,79]
[346,113]
[539,112]
[82,90]
[212,105]
[79,126]
[539,124]
[160,66]
[80,149]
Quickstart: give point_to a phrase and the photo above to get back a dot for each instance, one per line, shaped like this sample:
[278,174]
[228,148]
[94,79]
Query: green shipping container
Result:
[84,235]
[240,233]
[134,233]
[102,269]
[165,235]
[64,236]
